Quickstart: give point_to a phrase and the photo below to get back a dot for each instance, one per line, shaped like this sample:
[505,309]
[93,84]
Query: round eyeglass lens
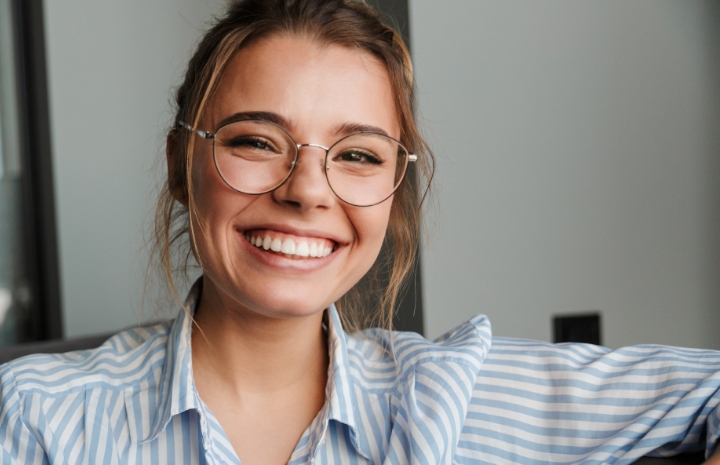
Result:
[364,169]
[254,157]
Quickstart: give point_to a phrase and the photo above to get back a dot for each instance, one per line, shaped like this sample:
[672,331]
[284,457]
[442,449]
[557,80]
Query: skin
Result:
[259,351]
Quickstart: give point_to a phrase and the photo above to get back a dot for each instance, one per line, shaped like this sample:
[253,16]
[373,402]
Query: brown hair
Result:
[348,23]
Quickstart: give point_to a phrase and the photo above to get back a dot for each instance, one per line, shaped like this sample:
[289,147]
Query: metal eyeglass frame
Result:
[411,158]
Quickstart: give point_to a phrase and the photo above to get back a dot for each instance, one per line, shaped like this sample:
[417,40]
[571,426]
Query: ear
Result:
[176,178]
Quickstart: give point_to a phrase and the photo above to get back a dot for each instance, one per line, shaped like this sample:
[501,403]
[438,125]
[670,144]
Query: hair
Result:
[347,23]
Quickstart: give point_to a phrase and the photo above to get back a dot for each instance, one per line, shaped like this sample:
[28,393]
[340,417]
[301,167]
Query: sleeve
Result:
[579,403]
[19,444]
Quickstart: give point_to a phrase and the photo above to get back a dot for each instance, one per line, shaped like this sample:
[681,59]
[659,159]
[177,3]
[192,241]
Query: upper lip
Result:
[301,232]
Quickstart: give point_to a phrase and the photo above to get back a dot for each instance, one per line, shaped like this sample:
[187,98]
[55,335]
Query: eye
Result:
[359,156]
[251,142]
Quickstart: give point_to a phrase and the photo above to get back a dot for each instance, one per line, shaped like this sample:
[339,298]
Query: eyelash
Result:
[369,156]
[250,141]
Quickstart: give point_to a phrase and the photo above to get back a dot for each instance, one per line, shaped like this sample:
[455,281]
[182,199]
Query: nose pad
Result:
[295,162]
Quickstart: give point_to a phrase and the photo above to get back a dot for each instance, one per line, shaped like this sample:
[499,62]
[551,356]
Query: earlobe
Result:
[176,179]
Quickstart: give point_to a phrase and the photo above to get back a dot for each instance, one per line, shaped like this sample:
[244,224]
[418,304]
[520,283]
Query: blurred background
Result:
[577,145]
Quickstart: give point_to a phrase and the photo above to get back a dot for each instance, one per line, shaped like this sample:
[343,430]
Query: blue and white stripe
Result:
[576,403]
[454,401]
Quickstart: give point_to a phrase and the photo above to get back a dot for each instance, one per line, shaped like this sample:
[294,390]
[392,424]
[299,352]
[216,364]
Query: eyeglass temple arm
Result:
[203,134]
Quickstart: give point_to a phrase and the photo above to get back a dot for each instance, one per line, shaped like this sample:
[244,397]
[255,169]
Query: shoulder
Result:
[125,359]
[395,356]
[406,383]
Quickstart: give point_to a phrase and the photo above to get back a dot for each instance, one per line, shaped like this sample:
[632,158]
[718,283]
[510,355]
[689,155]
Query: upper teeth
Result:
[291,247]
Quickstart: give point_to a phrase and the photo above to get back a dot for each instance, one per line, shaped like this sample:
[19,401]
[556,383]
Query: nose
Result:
[307,187]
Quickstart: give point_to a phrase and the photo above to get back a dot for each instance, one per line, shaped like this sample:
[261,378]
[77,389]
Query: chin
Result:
[285,304]
[288,310]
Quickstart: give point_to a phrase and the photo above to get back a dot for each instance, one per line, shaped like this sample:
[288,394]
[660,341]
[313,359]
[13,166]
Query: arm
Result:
[576,403]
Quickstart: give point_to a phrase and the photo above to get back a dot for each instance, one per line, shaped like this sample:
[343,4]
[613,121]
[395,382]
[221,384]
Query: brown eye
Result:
[359,156]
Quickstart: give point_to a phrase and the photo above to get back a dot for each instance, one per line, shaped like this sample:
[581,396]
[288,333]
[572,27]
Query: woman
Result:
[286,167]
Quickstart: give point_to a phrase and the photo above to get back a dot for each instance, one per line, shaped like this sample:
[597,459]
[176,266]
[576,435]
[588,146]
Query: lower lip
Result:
[281,262]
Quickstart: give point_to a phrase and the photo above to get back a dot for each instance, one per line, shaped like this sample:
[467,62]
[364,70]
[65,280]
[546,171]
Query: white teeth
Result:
[303,249]
[288,247]
[276,245]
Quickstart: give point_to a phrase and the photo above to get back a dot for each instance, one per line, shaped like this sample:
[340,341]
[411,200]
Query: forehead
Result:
[313,86]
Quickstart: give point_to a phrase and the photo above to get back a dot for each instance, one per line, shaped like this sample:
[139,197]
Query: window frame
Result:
[39,230]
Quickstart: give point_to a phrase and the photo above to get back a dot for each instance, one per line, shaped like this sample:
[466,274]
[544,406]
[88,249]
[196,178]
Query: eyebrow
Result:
[346,129]
[343,129]
[258,115]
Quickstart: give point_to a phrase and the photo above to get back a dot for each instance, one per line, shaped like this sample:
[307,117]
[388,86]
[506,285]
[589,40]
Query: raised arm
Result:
[536,402]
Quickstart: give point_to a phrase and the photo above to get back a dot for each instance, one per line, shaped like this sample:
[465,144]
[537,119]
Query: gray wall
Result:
[578,150]
[111,67]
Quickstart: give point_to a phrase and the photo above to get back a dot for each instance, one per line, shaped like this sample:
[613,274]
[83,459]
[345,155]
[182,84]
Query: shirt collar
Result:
[177,392]
[340,392]
[176,389]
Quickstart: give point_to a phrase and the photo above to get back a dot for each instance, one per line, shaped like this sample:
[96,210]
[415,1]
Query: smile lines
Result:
[291,248]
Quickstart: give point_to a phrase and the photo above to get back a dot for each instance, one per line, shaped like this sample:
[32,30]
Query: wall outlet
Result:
[578,327]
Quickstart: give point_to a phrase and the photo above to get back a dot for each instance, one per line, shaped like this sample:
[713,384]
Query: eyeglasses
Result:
[256,157]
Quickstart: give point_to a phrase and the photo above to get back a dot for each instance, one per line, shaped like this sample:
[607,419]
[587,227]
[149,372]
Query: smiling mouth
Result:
[290,246]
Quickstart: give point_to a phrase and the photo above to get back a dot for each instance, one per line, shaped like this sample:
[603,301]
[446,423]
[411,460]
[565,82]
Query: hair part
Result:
[347,23]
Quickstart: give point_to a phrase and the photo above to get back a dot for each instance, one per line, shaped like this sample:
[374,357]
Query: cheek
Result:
[213,198]
[371,225]
[215,207]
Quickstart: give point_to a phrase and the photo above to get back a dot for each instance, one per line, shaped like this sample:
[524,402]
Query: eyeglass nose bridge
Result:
[299,146]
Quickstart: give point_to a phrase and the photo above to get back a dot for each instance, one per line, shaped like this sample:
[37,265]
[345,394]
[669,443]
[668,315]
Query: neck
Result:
[252,353]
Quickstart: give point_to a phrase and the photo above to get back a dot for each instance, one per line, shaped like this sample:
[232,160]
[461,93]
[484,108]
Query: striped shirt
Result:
[458,400]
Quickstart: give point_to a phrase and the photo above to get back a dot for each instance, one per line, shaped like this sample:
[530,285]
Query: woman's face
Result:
[320,93]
